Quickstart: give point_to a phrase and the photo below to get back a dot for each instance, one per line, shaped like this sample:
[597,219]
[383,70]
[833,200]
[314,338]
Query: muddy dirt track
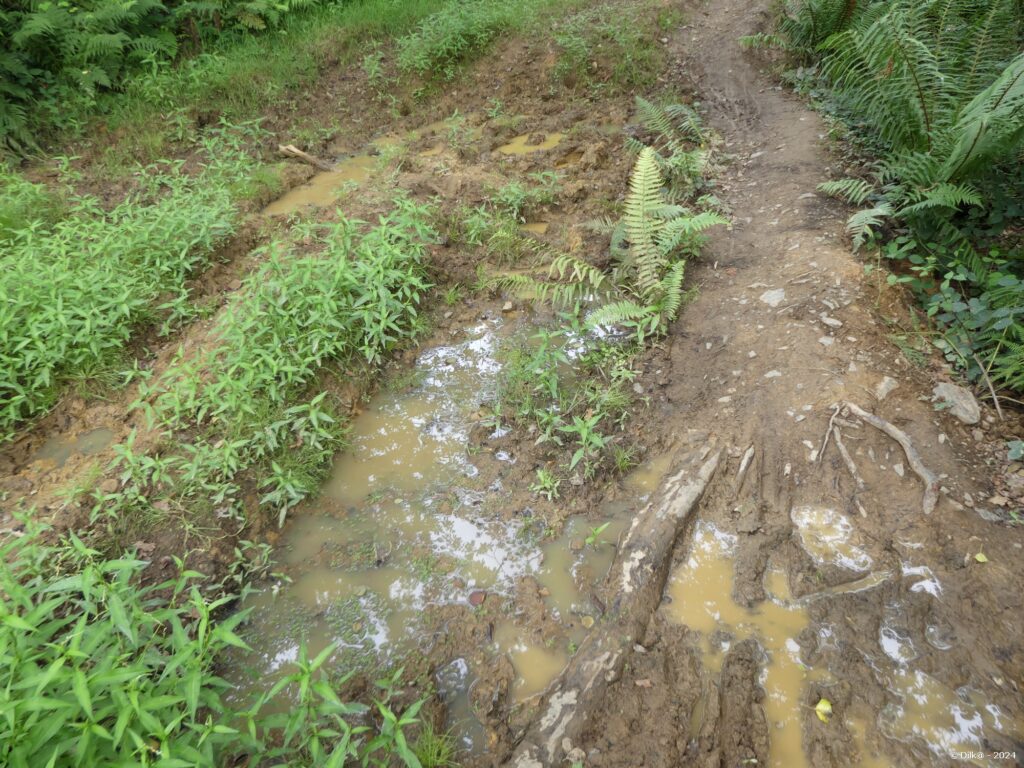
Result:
[787,325]
[793,580]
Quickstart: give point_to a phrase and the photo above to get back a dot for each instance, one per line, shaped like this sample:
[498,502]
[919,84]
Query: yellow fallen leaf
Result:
[823,709]
[980,557]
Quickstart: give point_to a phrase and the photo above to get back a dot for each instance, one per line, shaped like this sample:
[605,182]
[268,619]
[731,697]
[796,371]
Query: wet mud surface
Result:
[793,584]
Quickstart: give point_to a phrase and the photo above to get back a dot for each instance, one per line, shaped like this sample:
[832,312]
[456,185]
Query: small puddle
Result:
[578,561]
[829,538]
[535,665]
[454,686]
[325,188]
[536,227]
[701,592]
[58,449]
[521,145]
[946,721]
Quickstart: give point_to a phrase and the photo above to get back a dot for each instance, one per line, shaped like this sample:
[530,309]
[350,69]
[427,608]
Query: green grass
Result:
[348,297]
[72,292]
[100,669]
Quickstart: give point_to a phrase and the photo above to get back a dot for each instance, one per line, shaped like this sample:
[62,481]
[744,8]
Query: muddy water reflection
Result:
[701,592]
[325,188]
[521,145]
[58,449]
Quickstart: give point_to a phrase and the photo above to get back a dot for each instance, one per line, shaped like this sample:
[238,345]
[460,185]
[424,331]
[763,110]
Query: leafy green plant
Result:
[72,294]
[595,534]
[100,671]
[598,49]
[458,31]
[547,484]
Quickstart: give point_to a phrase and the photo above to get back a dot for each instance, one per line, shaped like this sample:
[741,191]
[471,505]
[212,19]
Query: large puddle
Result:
[926,714]
[405,524]
[700,592]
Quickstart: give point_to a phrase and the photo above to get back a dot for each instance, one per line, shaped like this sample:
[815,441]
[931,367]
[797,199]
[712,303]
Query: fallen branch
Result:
[931,482]
[290,150]
[638,577]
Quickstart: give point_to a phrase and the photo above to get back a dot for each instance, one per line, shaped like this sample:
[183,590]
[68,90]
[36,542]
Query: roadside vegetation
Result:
[79,280]
[111,654]
[932,96]
[574,386]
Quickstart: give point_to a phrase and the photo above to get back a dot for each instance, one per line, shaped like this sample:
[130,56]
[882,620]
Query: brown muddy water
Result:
[928,715]
[405,524]
[58,449]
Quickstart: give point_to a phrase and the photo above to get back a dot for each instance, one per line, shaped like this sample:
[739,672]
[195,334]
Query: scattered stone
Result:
[831,322]
[898,469]
[544,592]
[638,388]
[643,683]
[751,354]
[827,341]
[448,315]
[235,284]
[961,402]
[885,387]
[773,374]
[576,545]
[725,399]
[477,597]
[109,485]
[998,500]
[587,622]
[978,435]
[506,307]
[774,297]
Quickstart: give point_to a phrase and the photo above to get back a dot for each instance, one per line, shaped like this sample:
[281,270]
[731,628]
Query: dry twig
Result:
[290,150]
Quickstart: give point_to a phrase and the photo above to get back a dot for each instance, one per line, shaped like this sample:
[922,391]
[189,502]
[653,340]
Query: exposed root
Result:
[828,432]
[848,459]
[931,482]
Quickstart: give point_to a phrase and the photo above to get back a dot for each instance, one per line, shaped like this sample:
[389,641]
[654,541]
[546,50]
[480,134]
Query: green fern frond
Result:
[863,224]
[855,191]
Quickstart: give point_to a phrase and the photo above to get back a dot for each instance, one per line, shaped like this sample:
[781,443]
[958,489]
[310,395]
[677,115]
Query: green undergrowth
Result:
[149,68]
[104,667]
[78,280]
[100,669]
[572,387]
[244,400]
[612,47]
[932,94]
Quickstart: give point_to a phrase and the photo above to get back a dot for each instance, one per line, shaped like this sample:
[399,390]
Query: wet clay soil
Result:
[426,547]
[794,586]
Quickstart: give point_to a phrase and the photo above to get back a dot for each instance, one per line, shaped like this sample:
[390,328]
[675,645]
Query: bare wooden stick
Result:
[931,482]
[290,150]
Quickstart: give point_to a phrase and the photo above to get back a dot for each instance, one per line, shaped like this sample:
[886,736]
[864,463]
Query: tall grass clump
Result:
[934,90]
[455,33]
[72,293]
[244,397]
